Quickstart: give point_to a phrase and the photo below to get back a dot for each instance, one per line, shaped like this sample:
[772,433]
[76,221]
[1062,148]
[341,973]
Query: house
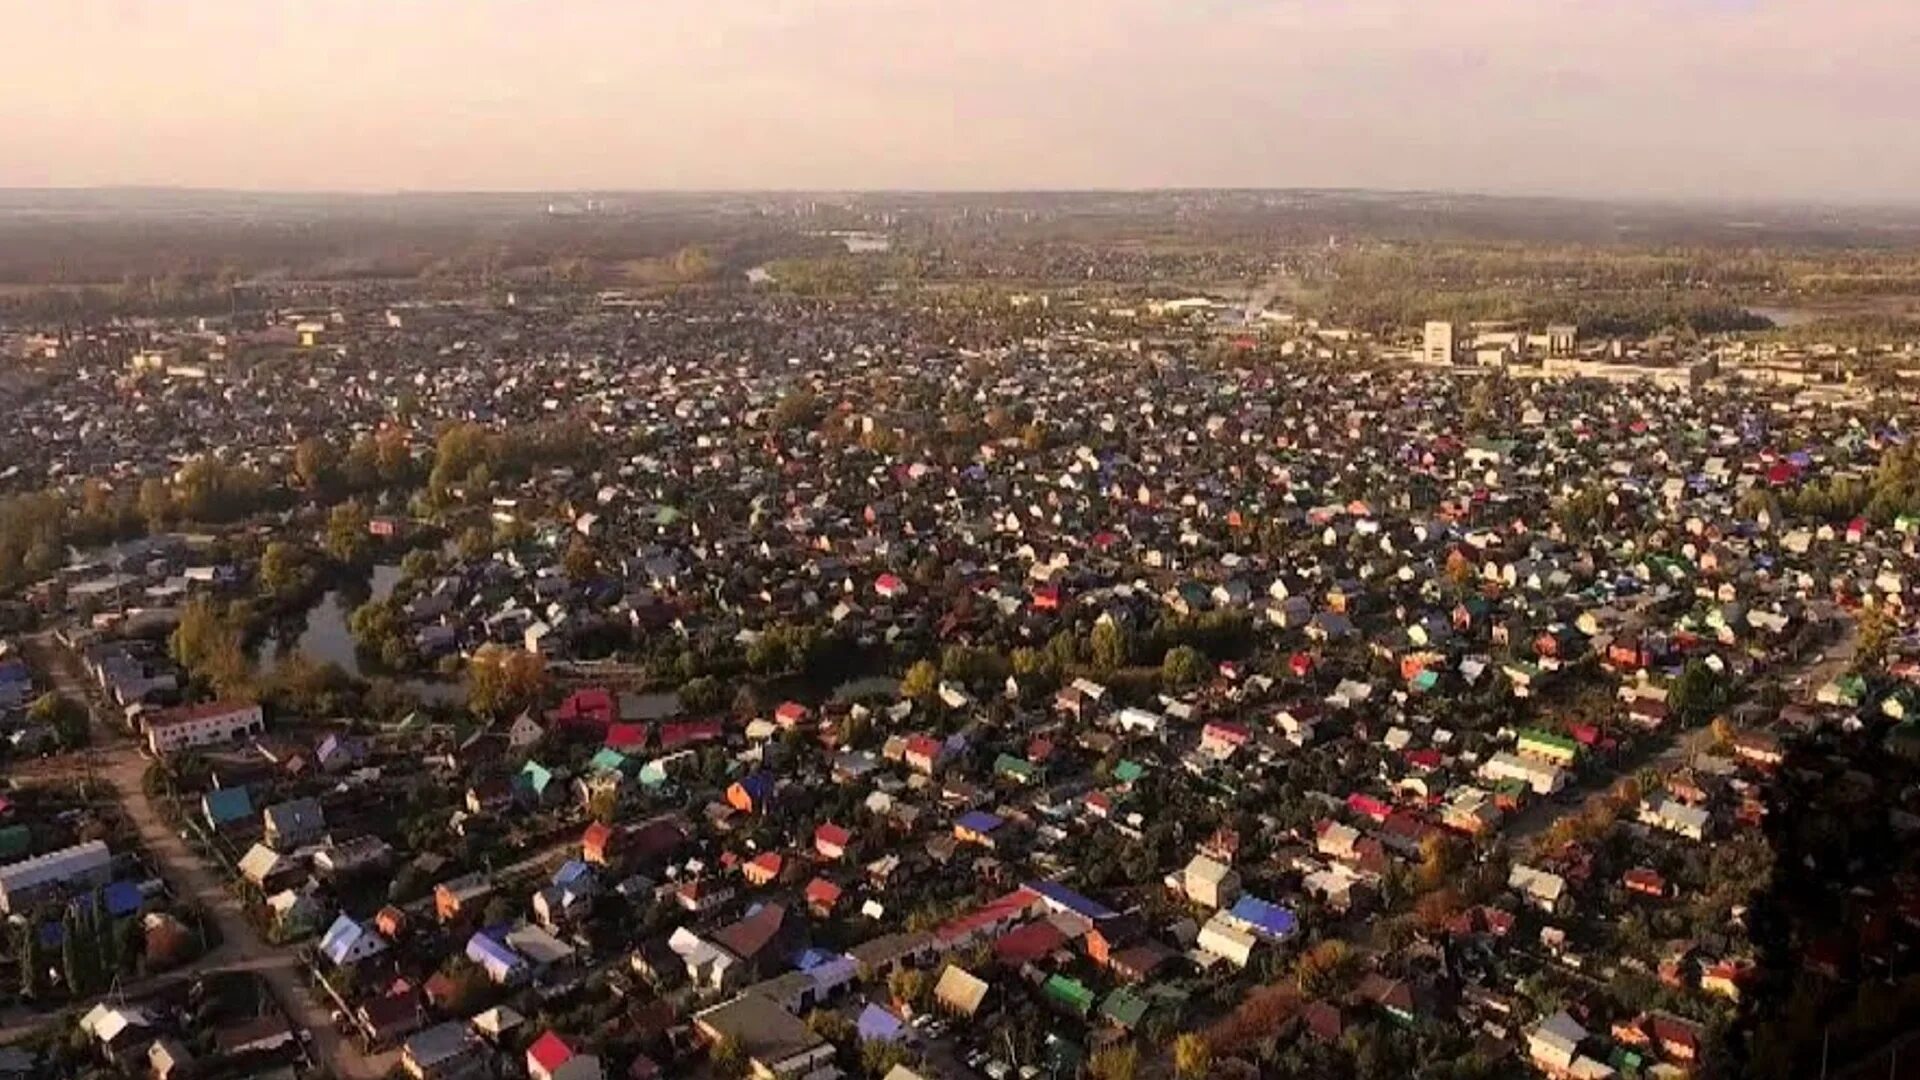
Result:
[203,725]
[449,1051]
[295,912]
[550,1058]
[1553,749]
[1224,938]
[292,824]
[348,941]
[356,856]
[598,845]
[461,896]
[1266,921]
[122,1032]
[338,753]
[977,827]
[168,1060]
[1675,817]
[821,896]
[774,1043]
[503,966]
[1208,882]
[831,841]
[1544,890]
[393,1015]
[959,992]
[923,753]
[226,808]
[1542,777]
[524,733]
[1393,996]
[763,869]
[751,794]
[1645,881]
[1555,1043]
[30,882]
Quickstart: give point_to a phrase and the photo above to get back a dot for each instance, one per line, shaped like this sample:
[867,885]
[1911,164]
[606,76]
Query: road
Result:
[1804,679]
[117,759]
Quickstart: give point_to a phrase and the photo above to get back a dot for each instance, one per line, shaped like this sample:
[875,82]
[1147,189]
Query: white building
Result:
[1223,937]
[1543,778]
[203,725]
[1437,346]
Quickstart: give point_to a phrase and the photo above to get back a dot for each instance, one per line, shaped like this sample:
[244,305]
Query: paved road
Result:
[117,759]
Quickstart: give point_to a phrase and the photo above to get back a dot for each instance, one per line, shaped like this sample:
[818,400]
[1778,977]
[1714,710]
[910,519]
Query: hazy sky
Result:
[1745,98]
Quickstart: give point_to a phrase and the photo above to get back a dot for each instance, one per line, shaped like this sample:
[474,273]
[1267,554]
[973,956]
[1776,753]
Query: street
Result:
[117,759]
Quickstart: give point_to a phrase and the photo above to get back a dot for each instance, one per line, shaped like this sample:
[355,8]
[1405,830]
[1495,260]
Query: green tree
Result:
[347,537]
[283,569]
[67,719]
[1184,666]
[1112,646]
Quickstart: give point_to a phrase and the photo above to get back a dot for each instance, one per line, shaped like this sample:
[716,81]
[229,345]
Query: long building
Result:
[203,725]
[30,881]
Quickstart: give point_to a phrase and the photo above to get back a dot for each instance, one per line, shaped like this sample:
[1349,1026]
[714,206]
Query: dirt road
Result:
[117,759]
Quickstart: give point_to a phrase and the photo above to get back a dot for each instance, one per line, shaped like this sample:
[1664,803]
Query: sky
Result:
[1719,99]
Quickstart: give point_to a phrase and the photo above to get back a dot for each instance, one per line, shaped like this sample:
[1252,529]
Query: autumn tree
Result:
[500,679]
[579,561]
[921,680]
[1119,1061]
[316,464]
[1192,1056]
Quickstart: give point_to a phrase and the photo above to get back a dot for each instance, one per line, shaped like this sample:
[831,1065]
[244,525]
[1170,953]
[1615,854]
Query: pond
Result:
[326,638]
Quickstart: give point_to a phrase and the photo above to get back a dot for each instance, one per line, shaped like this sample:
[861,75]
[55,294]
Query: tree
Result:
[799,408]
[420,563]
[1319,969]
[1192,1056]
[66,717]
[283,569]
[1111,645]
[156,503]
[726,1057]
[1184,666]
[476,543]
[347,536]
[579,561]
[210,643]
[1117,1062]
[1459,571]
[501,680]
[921,680]
[1697,694]
[908,986]
[316,463]
[1877,630]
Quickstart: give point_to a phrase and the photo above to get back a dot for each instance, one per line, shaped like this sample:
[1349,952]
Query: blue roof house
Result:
[502,964]
[347,942]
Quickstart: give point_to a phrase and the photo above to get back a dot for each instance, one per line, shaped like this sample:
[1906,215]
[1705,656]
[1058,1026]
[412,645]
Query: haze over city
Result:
[962,540]
[1740,99]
